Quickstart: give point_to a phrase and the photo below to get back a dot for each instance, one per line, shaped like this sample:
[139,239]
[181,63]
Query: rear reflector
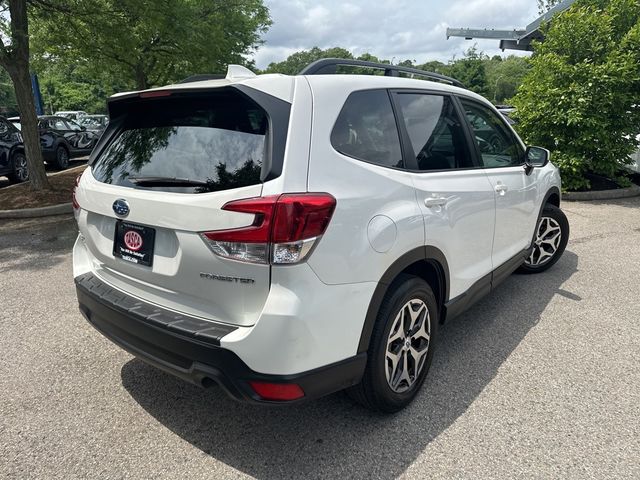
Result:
[277,391]
[284,228]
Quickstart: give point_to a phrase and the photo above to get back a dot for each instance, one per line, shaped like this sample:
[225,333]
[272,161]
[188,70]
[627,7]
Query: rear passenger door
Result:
[454,194]
[502,156]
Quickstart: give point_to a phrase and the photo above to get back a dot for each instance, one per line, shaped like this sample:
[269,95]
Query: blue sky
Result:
[402,29]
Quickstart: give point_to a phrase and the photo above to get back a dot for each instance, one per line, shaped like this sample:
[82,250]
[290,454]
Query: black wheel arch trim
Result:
[426,253]
[552,191]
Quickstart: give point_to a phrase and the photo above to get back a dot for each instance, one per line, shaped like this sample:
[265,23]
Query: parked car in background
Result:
[94,123]
[62,139]
[13,162]
[72,114]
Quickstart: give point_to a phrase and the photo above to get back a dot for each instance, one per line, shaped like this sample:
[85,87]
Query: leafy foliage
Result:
[581,98]
[8,105]
[148,42]
[470,70]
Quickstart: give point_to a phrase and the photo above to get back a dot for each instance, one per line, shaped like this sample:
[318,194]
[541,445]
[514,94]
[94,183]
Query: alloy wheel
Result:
[546,243]
[21,169]
[407,345]
[63,157]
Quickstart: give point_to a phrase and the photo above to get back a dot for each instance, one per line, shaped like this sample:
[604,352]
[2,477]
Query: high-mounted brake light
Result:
[284,228]
[155,93]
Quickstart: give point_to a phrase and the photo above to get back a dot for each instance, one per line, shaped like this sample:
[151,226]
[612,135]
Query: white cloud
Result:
[387,28]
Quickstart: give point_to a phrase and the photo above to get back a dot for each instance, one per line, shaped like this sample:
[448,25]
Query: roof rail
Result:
[328,66]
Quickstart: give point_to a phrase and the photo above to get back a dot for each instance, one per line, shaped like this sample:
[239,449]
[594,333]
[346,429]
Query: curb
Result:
[61,209]
[632,191]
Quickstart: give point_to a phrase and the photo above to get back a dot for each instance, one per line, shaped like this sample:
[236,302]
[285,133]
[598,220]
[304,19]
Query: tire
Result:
[547,247]
[386,388]
[20,171]
[62,157]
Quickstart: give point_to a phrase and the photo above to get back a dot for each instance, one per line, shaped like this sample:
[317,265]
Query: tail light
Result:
[284,229]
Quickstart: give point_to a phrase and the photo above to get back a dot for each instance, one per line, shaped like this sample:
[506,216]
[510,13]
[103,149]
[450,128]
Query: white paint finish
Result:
[180,254]
[305,323]
[382,233]
[517,208]
[344,254]
[296,156]
[463,227]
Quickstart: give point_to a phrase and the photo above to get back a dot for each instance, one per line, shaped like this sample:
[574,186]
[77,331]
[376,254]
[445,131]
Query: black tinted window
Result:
[366,129]
[498,146]
[435,131]
[206,143]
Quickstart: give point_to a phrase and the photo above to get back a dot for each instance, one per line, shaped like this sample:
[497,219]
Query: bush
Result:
[581,98]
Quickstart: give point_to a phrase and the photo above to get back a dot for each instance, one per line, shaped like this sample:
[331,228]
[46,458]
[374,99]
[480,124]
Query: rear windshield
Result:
[187,144]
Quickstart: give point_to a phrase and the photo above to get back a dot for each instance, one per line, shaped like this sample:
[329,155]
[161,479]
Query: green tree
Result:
[77,86]
[8,105]
[470,70]
[149,42]
[14,58]
[581,98]
[504,76]
[297,61]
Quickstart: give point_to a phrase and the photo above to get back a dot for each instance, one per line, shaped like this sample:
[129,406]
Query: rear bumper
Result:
[189,348]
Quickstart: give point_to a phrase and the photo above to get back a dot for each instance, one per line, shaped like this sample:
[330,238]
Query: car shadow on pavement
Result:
[335,438]
[36,243]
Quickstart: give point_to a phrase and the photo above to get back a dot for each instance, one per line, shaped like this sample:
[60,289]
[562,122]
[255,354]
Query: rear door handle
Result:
[501,188]
[435,202]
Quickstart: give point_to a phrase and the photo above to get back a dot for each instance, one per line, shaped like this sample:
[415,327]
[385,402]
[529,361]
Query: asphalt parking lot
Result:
[538,380]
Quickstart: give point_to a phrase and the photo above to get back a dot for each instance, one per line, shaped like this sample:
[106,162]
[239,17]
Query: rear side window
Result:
[366,129]
[188,144]
[435,131]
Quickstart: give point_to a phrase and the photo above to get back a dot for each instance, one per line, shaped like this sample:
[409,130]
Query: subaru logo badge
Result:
[121,207]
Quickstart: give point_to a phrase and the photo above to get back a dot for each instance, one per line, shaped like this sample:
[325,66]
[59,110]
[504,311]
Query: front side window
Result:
[366,129]
[435,131]
[497,144]
[187,144]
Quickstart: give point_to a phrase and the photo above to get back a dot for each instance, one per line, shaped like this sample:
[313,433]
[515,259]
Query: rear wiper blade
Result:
[166,182]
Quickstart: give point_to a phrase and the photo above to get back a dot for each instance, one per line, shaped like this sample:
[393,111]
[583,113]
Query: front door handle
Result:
[435,202]
[501,188]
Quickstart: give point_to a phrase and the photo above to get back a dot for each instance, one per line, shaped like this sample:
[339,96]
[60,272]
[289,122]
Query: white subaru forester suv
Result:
[287,237]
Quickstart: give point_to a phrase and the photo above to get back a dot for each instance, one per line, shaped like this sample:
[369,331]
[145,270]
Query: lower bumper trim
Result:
[200,361]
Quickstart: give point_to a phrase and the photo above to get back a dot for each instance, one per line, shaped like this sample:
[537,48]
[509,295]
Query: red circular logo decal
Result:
[133,240]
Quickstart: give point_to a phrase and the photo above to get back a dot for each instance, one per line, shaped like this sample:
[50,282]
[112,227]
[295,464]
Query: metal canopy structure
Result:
[516,39]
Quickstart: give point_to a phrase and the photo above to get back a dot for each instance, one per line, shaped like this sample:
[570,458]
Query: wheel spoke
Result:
[418,355]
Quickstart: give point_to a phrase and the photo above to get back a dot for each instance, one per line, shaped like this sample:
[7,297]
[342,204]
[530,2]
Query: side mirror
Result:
[536,157]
